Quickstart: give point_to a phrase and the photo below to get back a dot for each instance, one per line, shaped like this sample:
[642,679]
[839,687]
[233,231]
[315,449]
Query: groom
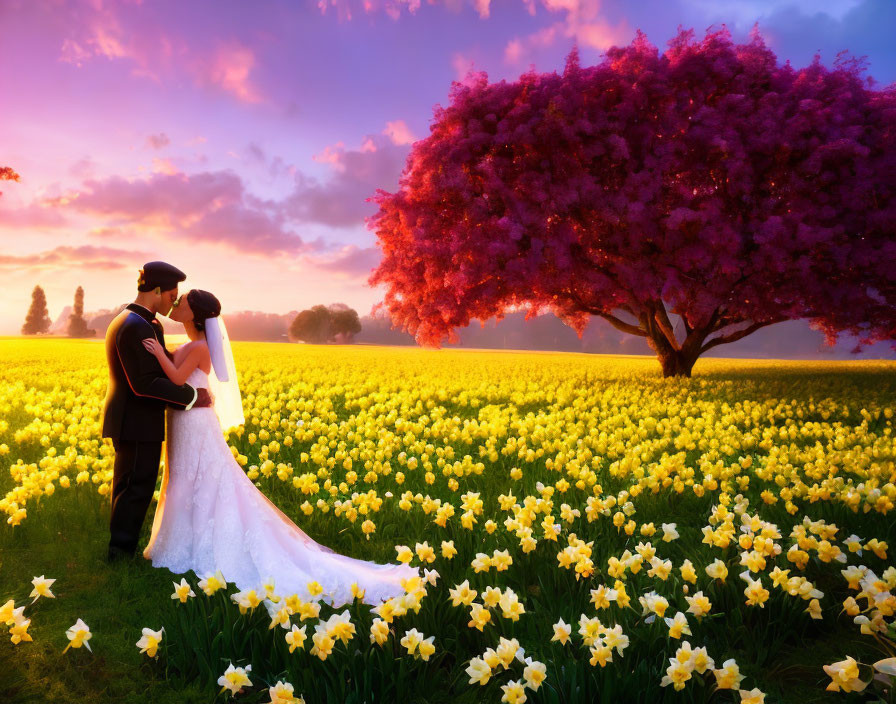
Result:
[134,412]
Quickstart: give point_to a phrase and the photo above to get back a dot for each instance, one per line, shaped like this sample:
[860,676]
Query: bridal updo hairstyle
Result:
[204,306]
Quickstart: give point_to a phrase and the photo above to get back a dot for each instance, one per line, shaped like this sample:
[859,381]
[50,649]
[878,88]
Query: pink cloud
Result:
[335,154]
[331,155]
[108,232]
[343,11]
[86,256]
[462,65]
[108,31]
[163,166]
[399,132]
[102,33]
[571,6]
[33,216]
[602,35]
[83,168]
[519,49]
[393,8]
[73,53]
[230,69]
[513,51]
[103,37]
[583,23]
[482,7]
[107,41]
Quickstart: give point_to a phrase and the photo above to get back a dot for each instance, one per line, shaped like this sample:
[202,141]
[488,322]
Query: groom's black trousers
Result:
[133,484]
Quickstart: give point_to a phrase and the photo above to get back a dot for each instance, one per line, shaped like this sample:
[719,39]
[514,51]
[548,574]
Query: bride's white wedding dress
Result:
[210,516]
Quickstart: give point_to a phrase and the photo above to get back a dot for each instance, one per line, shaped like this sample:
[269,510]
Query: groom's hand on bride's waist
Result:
[204,399]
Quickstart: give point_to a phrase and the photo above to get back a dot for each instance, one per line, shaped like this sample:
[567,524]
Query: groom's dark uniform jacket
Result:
[134,418]
[138,388]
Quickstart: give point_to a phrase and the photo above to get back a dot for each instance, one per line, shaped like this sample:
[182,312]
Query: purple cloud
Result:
[357,173]
[209,207]
[158,141]
[350,261]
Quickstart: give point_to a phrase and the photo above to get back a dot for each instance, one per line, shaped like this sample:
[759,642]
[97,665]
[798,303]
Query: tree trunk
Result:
[676,363]
[678,360]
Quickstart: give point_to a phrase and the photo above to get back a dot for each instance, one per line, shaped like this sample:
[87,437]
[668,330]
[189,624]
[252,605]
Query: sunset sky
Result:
[238,140]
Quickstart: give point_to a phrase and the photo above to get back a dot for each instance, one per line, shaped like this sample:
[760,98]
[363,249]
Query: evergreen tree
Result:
[38,319]
[77,326]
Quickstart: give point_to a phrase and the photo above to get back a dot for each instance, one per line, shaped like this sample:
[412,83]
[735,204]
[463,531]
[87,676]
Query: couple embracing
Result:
[210,516]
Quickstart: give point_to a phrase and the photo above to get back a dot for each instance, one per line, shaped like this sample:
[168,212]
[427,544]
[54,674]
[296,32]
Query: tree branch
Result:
[733,337]
[722,319]
[665,325]
[618,324]
[613,320]
[717,321]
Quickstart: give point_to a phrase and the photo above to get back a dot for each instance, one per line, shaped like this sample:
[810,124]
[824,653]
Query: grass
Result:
[68,543]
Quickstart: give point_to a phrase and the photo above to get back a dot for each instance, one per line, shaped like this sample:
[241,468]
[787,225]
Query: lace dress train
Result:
[210,516]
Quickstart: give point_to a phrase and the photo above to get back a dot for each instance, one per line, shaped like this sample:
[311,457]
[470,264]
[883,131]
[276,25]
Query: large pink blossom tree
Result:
[709,182]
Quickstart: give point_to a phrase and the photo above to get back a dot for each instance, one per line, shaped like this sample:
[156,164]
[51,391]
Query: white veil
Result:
[223,382]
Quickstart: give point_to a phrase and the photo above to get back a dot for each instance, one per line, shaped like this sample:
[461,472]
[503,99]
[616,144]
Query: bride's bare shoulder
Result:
[202,345]
[193,344]
[205,357]
[181,352]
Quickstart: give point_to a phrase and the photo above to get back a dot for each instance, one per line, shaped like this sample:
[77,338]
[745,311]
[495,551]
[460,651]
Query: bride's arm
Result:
[178,374]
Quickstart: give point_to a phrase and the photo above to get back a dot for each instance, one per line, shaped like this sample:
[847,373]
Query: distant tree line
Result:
[788,340]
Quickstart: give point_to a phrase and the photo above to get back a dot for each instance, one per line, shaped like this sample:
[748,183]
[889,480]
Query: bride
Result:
[210,516]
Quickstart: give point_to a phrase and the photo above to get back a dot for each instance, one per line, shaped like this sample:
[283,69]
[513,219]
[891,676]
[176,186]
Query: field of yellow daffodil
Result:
[587,531]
